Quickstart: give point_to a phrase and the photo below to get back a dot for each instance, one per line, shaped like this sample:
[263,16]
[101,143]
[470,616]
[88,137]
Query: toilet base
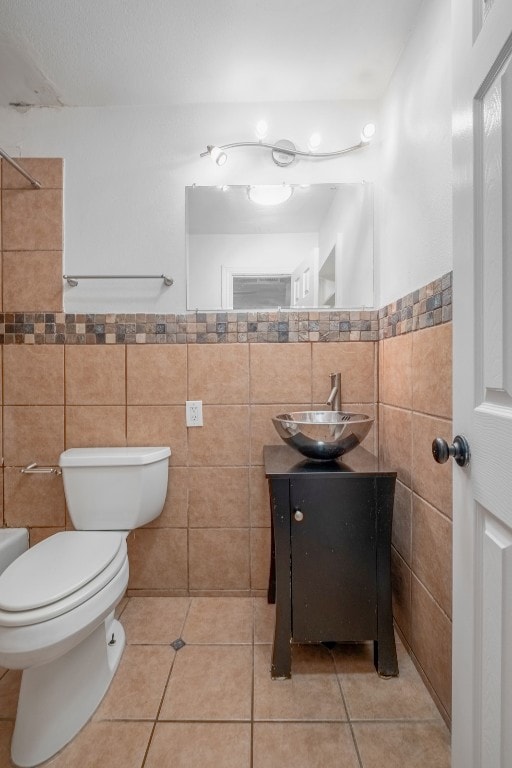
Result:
[57,699]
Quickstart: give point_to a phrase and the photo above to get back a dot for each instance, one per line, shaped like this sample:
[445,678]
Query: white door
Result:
[305,282]
[482,161]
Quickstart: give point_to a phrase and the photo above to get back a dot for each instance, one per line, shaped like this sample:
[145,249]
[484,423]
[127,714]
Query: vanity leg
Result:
[271,593]
[384,649]
[281,651]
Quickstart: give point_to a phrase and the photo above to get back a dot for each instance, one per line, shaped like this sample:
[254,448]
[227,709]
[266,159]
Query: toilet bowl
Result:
[57,599]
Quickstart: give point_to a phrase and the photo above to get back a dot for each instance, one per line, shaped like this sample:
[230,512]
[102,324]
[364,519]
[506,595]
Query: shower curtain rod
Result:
[35,183]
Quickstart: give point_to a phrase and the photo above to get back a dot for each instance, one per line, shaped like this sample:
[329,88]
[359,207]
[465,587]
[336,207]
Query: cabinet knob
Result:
[298,515]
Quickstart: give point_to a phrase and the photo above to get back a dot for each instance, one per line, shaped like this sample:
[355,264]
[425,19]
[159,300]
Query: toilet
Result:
[57,599]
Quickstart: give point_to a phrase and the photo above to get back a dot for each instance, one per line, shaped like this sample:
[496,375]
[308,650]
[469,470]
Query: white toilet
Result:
[57,599]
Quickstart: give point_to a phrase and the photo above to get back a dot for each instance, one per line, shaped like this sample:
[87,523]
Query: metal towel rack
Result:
[35,469]
[72,280]
[35,183]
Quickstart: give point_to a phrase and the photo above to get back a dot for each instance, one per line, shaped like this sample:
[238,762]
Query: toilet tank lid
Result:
[113,456]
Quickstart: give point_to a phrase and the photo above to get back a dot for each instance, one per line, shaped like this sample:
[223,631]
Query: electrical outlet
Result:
[194,411]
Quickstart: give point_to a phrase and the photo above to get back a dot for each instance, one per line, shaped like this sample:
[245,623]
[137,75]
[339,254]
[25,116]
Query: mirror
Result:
[314,250]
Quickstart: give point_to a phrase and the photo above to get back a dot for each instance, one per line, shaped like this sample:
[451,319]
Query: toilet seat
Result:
[70,567]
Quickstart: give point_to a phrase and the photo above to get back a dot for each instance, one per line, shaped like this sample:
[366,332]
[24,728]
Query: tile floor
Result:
[212,704]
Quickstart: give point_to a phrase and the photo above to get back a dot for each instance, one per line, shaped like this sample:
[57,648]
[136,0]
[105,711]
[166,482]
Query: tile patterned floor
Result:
[212,704]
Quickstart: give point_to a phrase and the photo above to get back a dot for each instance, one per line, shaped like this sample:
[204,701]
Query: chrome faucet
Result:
[334,399]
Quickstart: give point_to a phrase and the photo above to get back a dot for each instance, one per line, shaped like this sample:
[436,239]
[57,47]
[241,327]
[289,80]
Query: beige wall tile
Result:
[22,293]
[39,534]
[431,481]
[432,365]
[95,425]
[356,361]
[33,434]
[158,558]
[95,375]
[33,375]
[219,558]
[218,497]
[280,373]
[259,498]
[432,552]
[431,640]
[224,438]
[401,583]
[2,519]
[47,170]
[32,220]
[263,431]
[218,373]
[175,511]
[156,374]
[396,371]
[159,425]
[402,521]
[260,557]
[33,500]
[395,436]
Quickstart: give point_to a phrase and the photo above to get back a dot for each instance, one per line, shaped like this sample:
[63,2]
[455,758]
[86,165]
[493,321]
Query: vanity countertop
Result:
[283,461]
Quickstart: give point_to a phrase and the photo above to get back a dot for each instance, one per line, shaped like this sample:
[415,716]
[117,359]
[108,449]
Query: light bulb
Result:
[261,130]
[270,194]
[217,155]
[314,141]
[368,132]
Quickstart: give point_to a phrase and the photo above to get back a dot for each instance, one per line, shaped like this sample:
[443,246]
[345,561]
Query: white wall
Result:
[413,197]
[275,254]
[348,226]
[126,170]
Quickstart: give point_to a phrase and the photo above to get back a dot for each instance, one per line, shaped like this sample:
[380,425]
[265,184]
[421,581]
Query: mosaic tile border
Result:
[428,306]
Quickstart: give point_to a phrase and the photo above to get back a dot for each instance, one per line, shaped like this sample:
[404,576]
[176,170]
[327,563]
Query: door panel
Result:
[482,522]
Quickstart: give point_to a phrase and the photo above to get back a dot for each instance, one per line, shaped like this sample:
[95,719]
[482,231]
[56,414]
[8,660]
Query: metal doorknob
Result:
[458,450]
[298,516]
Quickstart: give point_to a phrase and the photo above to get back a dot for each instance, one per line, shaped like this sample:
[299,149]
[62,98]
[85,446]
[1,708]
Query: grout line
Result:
[156,719]
[347,713]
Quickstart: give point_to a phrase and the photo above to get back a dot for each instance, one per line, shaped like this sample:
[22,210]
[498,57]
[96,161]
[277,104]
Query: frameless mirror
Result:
[312,249]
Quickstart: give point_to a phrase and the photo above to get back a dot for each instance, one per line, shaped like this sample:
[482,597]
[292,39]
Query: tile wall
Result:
[91,380]
[415,407]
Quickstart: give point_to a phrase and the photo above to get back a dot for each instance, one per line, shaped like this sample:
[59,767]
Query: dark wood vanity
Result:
[330,574]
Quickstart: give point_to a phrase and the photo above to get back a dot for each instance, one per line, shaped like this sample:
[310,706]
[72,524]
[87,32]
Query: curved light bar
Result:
[284,151]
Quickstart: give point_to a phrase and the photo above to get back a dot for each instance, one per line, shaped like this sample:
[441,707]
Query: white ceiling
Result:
[141,52]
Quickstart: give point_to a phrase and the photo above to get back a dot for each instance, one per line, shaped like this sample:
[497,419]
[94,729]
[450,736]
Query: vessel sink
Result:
[322,435]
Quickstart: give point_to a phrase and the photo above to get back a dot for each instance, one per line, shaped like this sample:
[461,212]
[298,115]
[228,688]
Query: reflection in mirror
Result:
[313,249]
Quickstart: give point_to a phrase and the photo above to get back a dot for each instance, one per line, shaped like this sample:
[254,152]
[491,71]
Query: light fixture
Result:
[270,194]
[261,130]
[284,151]
[314,141]
[216,154]
[368,133]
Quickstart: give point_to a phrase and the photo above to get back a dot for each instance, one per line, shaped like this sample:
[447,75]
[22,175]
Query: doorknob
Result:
[458,450]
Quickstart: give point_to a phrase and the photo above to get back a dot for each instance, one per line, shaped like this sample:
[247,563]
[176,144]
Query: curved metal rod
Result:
[287,150]
[72,280]
[35,183]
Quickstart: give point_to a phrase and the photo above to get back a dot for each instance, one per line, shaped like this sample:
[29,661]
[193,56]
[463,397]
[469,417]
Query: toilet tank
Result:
[114,489]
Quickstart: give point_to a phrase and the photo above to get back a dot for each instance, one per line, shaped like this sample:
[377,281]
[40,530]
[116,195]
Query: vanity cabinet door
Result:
[333,558]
